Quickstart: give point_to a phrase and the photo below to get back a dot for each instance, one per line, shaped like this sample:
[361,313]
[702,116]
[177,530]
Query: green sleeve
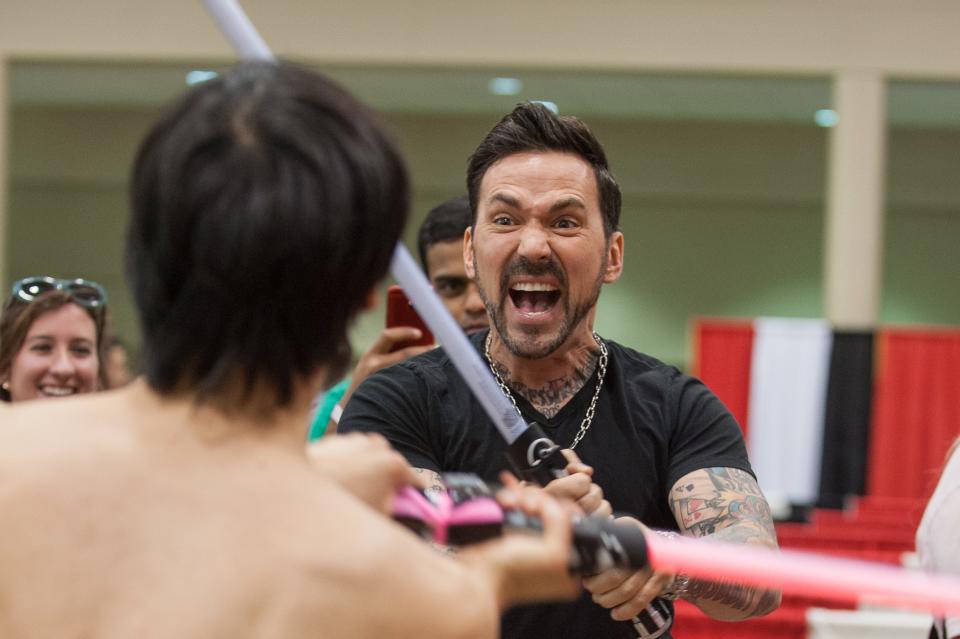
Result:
[322,417]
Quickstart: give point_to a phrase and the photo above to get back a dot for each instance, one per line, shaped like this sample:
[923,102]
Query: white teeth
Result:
[533,287]
[57,391]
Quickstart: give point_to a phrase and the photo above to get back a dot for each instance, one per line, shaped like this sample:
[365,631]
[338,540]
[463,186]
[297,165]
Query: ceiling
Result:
[417,90]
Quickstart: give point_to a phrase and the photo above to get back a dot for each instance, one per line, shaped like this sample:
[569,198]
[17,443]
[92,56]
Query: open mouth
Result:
[534,297]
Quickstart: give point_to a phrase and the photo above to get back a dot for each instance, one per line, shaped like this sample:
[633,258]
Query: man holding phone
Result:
[440,245]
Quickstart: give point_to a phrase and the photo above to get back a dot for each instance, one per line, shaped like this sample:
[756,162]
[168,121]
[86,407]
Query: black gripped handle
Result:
[598,543]
[535,457]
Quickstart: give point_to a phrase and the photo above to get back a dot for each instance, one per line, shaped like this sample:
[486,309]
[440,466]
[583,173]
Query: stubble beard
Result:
[531,348]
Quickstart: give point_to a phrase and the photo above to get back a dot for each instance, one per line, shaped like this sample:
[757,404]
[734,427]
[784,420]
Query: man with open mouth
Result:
[656,445]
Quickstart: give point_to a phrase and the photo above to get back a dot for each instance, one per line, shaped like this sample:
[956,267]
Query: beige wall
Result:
[812,36]
[4,152]
[721,218]
[692,192]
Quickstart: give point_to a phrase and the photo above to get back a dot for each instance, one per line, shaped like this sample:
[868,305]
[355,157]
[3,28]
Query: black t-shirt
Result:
[652,426]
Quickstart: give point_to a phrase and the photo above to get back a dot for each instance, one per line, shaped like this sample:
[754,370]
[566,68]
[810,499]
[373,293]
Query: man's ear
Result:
[468,253]
[614,258]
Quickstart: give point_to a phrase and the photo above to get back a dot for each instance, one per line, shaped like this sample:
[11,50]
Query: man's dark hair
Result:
[532,127]
[445,222]
[265,206]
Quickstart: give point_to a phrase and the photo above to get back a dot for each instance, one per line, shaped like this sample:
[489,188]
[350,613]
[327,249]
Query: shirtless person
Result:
[265,207]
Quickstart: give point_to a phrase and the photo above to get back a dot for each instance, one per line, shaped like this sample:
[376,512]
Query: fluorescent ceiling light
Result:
[198,76]
[826,118]
[550,105]
[505,86]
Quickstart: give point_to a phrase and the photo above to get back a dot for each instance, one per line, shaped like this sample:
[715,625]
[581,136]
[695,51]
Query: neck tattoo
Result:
[588,418]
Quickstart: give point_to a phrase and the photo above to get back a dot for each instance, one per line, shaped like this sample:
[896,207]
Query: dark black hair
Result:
[445,222]
[266,204]
[533,127]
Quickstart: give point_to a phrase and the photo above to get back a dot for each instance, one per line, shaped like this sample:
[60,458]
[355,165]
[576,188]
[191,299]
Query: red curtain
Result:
[916,410]
[722,352]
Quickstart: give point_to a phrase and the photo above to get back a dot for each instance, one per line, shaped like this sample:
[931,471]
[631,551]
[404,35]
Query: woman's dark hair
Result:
[17,318]
[533,127]
[265,206]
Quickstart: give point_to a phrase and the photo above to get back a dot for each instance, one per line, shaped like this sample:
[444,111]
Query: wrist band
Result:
[335,413]
[681,581]
[677,588]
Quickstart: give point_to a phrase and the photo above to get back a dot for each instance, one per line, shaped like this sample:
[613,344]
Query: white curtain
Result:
[788,388]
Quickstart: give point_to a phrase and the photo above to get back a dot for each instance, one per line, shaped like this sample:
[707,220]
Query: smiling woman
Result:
[51,333]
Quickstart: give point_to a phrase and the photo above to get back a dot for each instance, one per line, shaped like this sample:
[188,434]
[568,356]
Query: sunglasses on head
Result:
[84,292]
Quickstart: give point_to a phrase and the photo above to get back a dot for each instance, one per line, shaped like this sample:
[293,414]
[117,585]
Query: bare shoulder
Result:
[60,460]
[274,539]
[40,437]
[357,574]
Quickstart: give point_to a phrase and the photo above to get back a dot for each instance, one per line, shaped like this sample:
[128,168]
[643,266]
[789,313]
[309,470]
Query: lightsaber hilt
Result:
[598,544]
[467,513]
[535,457]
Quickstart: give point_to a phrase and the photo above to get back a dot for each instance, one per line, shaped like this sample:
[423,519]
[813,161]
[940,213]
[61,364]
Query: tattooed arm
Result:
[726,504]
[429,481]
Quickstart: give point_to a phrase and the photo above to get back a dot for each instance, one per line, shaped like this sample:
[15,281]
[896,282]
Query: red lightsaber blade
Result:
[806,573]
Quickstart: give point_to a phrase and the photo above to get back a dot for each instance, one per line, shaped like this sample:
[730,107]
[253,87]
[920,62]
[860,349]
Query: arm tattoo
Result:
[746,599]
[715,500]
[726,504]
[432,481]
[733,595]
[552,396]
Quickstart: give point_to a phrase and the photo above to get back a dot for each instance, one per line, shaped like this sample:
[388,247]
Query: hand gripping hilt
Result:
[466,512]
[536,458]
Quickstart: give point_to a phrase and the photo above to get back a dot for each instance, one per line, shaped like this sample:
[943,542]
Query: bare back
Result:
[121,525]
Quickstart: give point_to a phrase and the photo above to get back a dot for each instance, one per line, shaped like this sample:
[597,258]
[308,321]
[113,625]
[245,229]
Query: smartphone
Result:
[400,312]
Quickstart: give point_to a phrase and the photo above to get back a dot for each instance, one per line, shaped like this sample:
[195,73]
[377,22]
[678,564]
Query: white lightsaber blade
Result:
[461,352]
[241,33]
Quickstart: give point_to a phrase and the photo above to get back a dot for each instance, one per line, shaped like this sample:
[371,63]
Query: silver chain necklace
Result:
[588,418]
